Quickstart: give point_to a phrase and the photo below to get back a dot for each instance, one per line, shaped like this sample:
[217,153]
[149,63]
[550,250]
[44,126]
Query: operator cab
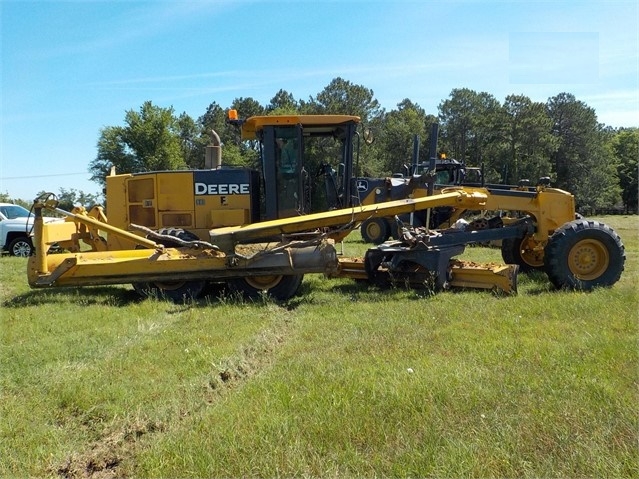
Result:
[306,161]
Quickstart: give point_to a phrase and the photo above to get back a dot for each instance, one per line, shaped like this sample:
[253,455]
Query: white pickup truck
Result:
[16,225]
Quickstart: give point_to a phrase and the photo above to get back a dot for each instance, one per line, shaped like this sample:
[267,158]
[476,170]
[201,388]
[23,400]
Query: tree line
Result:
[513,140]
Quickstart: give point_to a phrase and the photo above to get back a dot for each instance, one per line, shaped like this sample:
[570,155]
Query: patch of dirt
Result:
[104,458]
[250,359]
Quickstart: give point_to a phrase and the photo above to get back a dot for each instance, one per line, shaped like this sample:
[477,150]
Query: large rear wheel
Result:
[584,254]
[278,287]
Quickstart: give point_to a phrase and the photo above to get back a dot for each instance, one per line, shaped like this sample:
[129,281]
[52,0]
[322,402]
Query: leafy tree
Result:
[154,135]
[471,125]
[625,146]
[244,153]
[113,152]
[528,140]
[400,128]
[283,103]
[247,107]
[215,119]
[191,141]
[583,161]
[152,139]
[342,97]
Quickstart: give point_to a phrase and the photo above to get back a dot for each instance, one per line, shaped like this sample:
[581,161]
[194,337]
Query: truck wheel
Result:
[21,246]
[176,291]
[277,287]
[584,254]
[375,230]
[522,251]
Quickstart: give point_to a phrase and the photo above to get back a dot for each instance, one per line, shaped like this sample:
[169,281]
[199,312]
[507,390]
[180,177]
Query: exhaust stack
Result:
[213,153]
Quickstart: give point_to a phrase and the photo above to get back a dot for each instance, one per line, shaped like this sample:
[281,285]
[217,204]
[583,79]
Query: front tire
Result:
[584,254]
[277,287]
[21,246]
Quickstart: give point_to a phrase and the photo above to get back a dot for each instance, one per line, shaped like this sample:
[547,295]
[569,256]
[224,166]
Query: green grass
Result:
[343,380]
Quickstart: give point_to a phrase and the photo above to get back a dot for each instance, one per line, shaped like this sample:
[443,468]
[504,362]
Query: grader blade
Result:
[500,278]
[171,264]
[496,277]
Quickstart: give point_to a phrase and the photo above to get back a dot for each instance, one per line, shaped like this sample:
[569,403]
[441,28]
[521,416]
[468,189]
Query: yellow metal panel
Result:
[175,191]
[141,189]
[142,199]
[256,123]
[210,210]
[56,231]
[181,219]
[116,200]
[142,215]
[113,267]
[550,207]
[229,217]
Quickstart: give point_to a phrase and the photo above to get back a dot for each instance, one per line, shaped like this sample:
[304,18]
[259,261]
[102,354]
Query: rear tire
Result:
[584,254]
[277,287]
[176,291]
[375,230]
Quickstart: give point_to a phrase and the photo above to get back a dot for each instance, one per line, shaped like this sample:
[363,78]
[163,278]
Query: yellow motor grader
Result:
[259,231]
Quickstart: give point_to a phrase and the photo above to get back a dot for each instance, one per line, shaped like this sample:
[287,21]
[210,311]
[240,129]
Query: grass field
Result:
[342,380]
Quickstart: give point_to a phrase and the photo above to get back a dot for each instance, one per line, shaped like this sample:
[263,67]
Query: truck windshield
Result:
[12,212]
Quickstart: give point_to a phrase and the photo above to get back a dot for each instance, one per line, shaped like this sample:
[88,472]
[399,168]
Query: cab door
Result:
[285,176]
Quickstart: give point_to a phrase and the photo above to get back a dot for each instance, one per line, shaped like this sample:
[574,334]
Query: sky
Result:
[70,68]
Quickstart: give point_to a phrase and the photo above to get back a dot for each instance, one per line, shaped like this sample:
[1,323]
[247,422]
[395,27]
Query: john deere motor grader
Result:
[262,236]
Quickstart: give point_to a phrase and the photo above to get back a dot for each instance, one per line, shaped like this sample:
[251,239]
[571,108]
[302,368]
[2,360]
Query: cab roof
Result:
[315,124]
